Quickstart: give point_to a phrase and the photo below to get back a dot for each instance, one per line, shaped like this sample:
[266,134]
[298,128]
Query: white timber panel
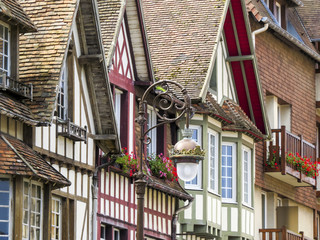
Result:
[149,191]
[45,138]
[214,122]
[164,226]
[38,135]
[159,201]
[117,210]
[155,225]
[135,216]
[85,185]
[234,219]
[56,166]
[111,209]
[169,227]
[169,204]
[209,209]
[197,117]
[199,204]
[146,220]
[69,148]
[251,224]
[188,211]
[53,138]
[159,224]
[64,172]
[77,151]
[229,134]
[83,148]
[79,184]
[126,213]
[20,130]
[121,212]
[112,184]
[60,146]
[132,216]
[219,212]
[90,151]
[163,203]
[76,96]
[107,212]
[131,121]
[224,225]
[121,187]
[154,199]
[107,183]
[12,127]
[81,220]
[173,205]
[150,221]
[102,181]
[72,180]
[76,39]
[214,210]
[117,185]
[102,206]
[243,220]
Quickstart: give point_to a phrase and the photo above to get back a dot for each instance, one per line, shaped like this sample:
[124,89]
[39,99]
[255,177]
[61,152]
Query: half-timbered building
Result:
[129,73]
[56,110]
[207,47]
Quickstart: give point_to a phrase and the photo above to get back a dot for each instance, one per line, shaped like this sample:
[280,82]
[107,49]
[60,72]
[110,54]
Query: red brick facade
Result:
[288,74]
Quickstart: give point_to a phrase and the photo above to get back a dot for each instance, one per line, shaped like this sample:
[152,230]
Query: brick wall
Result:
[288,74]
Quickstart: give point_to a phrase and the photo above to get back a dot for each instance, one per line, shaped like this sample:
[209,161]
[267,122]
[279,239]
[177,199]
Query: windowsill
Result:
[247,206]
[214,193]
[227,201]
[193,188]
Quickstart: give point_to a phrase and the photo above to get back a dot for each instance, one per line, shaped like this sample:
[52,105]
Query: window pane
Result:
[4,184]
[4,198]
[6,33]
[4,228]
[4,213]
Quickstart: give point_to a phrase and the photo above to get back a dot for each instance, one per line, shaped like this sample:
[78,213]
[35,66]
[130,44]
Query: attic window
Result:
[4,49]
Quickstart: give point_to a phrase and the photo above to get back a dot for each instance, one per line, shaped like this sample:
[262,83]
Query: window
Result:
[32,210]
[117,108]
[152,121]
[279,202]
[264,210]
[277,13]
[63,96]
[213,161]
[116,234]
[4,208]
[56,219]
[196,182]
[112,232]
[4,49]
[247,180]
[103,234]
[228,173]
[279,112]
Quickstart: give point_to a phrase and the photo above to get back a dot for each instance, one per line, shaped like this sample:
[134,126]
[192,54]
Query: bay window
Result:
[247,179]
[4,208]
[228,173]
[196,182]
[213,161]
[32,210]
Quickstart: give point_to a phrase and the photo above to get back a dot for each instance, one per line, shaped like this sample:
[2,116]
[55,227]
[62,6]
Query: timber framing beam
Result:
[89,59]
[104,137]
[239,58]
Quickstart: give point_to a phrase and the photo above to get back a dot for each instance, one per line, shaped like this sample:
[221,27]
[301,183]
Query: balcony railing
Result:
[11,85]
[276,151]
[71,131]
[281,233]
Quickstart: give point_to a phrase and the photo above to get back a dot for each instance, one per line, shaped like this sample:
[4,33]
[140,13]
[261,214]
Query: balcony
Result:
[11,85]
[71,130]
[281,233]
[276,151]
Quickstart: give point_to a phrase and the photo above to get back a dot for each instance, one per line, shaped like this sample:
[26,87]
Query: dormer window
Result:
[277,13]
[4,49]
[63,96]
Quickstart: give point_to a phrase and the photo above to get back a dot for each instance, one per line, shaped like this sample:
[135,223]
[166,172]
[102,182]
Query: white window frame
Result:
[104,229]
[198,184]
[233,199]
[114,233]
[9,206]
[249,175]
[279,202]
[264,208]
[117,108]
[30,182]
[215,166]
[56,199]
[60,106]
[278,10]
[8,55]
[152,121]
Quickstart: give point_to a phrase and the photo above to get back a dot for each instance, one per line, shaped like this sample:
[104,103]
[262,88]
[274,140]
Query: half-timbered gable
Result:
[210,52]
[72,99]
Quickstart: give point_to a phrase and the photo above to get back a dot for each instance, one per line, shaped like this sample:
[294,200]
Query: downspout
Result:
[258,31]
[94,188]
[175,219]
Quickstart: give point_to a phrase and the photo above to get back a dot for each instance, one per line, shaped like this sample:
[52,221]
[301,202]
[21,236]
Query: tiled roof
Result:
[42,52]
[310,15]
[110,15]
[182,36]
[241,121]
[17,158]
[15,109]
[213,109]
[14,11]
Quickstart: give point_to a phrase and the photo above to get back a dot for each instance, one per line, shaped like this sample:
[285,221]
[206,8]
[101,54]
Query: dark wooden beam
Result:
[317,104]
[90,59]
[104,137]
